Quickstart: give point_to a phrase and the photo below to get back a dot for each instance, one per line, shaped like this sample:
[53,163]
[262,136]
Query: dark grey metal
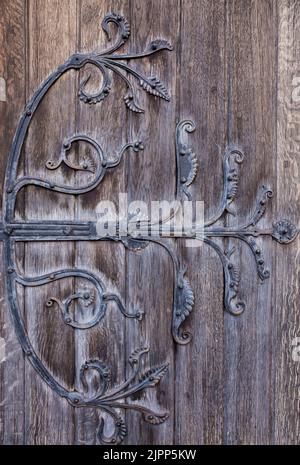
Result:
[93,296]
[282,231]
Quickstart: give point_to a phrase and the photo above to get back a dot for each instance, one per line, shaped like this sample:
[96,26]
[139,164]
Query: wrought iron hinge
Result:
[95,295]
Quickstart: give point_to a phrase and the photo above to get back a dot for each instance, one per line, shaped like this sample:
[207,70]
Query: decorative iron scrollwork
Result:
[93,298]
[98,167]
[109,61]
[186,160]
[283,231]
[109,400]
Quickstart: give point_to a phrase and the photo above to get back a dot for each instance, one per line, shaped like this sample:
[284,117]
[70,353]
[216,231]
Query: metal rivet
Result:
[28,353]
[28,113]
[68,320]
[183,180]
[10,270]
[230,266]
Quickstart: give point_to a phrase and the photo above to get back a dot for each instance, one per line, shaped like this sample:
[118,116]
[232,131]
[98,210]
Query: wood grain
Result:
[12,69]
[199,366]
[286,369]
[150,273]
[51,39]
[251,60]
[234,71]
[102,122]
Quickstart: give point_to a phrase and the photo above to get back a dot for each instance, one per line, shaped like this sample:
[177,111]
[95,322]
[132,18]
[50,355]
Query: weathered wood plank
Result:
[12,71]
[106,123]
[286,348]
[202,97]
[151,177]
[51,39]
[251,51]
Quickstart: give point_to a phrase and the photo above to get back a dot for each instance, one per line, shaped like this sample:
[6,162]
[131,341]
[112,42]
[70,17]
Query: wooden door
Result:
[75,303]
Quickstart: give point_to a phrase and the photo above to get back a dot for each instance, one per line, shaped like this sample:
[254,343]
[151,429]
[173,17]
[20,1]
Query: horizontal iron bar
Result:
[76,230]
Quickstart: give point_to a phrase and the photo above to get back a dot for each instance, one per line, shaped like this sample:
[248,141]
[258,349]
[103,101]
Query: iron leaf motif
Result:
[184,297]
[283,231]
[109,400]
[110,61]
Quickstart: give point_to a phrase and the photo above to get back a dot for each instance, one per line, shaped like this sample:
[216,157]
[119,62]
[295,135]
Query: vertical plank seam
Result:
[129,125]
[228,80]
[25,199]
[76,106]
[177,116]
[275,263]
[228,59]
[76,213]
